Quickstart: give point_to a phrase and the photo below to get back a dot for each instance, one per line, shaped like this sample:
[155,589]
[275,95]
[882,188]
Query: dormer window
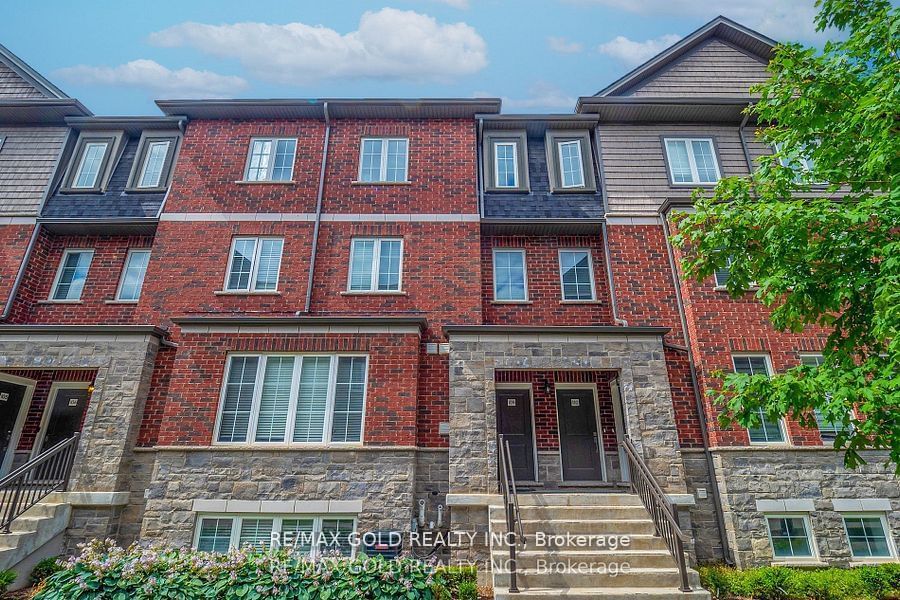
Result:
[569,161]
[90,164]
[153,164]
[505,161]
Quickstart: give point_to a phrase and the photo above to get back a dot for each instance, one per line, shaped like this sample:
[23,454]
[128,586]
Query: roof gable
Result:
[20,81]
[721,59]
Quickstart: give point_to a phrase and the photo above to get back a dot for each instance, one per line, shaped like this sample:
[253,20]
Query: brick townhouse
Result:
[319,315]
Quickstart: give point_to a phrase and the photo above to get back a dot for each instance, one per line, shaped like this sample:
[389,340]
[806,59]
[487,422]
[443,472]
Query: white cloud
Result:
[564,46]
[542,96]
[631,52]
[161,81]
[460,4]
[783,20]
[388,44]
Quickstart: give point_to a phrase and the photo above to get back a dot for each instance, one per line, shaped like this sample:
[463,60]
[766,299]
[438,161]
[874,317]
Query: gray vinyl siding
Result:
[634,164]
[27,158]
[13,86]
[713,69]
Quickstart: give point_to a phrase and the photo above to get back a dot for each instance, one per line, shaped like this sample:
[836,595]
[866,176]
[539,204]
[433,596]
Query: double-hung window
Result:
[376,265]
[312,535]
[571,166]
[293,399]
[506,165]
[133,275]
[254,264]
[383,160]
[510,279]
[868,536]
[768,431]
[791,536]
[71,275]
[271,159]
[828,429]
[88,170]
[577,275]
[692,161]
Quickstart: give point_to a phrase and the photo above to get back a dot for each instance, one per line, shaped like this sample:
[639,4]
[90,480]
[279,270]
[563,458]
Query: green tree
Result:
[824,254]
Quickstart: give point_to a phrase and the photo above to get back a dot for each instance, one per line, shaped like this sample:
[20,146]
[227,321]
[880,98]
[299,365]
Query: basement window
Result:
[71,276]
[867,535]
[790,536]
[254,264]
[311,535]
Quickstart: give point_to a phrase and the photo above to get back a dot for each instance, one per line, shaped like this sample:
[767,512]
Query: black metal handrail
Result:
[654,499]
[514,528]
[32,482]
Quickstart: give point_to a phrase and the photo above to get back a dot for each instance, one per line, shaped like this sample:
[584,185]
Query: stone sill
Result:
[246,293]
[400,183]
[246,182]
[349,293]
[809,563]
[874,561]
[283,448]
[767,448]
[79,499]
[511,302]
[59,302]
[580,302]
[126,302]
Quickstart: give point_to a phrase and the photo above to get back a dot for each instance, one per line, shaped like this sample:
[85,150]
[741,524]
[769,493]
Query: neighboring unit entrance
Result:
[63,415]
[579,443]
[12,397]
[514,422]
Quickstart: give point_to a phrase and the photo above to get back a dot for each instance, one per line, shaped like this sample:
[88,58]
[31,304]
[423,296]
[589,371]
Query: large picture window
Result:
[293,399]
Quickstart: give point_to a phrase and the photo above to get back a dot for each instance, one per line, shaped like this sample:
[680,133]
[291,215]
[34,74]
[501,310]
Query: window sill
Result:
[95,190]
[879,560]
[373,293]
[132,302]
[576,190]
[246,293]
[508,190]
[287,446]
[693,185]
[772,445]
[401,183]
[511,302]
[580,302]
[156,190]
[800,562]
[60,302]
[722,288]
[266,182]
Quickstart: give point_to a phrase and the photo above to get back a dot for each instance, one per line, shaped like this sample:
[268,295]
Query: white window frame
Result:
[271,166]
[521,251]
[59,270]
[84,152]
[162,171]
[562,174]
[376,261]
[850,413]
[254,266]
[292,405]
[810,538]
[277,524]
[785,438]
[562,285]
[515,147]
[885,526]
[382,169]
[128,256]
[695,173]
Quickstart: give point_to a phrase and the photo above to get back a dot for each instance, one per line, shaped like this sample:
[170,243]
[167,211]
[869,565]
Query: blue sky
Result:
[117,56]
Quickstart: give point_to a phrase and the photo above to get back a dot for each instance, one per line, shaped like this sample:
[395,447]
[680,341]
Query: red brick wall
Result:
[155,405]
[43,379]
[102,282]
[543,389]
[197,372]
[13,243]
[545,304]
[684,402]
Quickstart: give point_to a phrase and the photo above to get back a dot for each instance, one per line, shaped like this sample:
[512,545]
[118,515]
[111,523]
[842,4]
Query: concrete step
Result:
[571,513]
[639,559]
[593,574]
[599,544]
[623,593]
[582,526]
[579,499]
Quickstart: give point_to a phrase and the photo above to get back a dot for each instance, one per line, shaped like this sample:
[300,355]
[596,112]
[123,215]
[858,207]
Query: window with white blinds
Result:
[293,399]
[254,264]
[313,535]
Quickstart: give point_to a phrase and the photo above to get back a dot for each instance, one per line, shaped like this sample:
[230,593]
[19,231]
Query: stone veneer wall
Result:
[124,366]
[707,540]
[383,478]
[748,475]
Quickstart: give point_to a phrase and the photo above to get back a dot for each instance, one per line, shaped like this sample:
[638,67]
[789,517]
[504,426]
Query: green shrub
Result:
[6,579]
[879,582]
[453,581]
[467,590]
[44,569]
[104,571]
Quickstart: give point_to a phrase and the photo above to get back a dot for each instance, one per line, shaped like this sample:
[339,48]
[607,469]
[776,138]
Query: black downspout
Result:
[318,222]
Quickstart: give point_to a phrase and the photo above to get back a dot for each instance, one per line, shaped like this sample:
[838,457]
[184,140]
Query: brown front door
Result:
[11,398]
[578,439]
[514,422]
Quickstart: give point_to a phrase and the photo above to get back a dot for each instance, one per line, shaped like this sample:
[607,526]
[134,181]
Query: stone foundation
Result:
[707,539]
[750,474]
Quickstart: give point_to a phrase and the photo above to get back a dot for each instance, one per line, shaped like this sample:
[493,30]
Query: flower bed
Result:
[105,571]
